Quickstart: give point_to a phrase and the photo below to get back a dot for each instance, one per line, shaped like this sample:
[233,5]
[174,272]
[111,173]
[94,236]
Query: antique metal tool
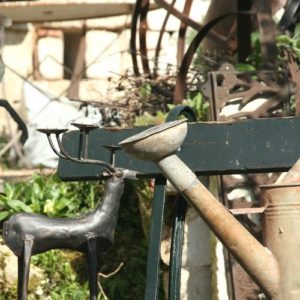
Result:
[271,269]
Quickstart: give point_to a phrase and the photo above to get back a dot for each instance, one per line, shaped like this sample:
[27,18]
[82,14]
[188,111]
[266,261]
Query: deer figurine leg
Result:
[92,260]
[23,269]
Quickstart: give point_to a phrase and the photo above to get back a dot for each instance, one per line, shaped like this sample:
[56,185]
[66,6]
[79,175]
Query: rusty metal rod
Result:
[257,260]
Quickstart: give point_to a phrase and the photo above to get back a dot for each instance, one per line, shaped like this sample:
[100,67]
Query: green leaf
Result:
[18,206]
[297,30]
[284,39]
[296,43]
[145,89]
[171,106]
[254,37]
[36,190]
[297,52]
[4,215]
[244,67]
[62,203]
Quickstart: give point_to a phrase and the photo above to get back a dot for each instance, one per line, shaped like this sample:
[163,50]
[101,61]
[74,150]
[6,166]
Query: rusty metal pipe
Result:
[159,144]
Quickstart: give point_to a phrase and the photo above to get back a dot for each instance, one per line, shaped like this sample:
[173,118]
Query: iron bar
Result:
[153,258]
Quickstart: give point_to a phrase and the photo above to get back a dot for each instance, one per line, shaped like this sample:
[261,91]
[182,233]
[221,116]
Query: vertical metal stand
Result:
[243,30]
[176,249]
[158,205]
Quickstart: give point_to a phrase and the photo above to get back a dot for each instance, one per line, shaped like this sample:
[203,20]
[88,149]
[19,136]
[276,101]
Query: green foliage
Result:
[145,89]
[48,195]
[144,192]
[66,271]
[283,41]
[148,119]
[290,42]
[62,282]
[254,59]
[196,101]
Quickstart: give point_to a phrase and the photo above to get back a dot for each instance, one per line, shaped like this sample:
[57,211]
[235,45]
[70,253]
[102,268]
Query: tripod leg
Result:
[23,269]
[92,260]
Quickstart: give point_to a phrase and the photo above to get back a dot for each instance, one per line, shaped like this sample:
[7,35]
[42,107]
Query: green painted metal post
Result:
[176,249]
[153,260]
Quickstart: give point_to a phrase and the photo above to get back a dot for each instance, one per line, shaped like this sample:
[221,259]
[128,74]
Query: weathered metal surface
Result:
[227,86]
[152,143]
[247,146]
[280,90]
[281,235]
[257,260]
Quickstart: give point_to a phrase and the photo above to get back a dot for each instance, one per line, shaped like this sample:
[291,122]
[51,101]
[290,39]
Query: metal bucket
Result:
[281,234]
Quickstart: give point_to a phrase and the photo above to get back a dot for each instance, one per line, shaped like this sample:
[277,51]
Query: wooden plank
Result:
[48,11]
[247,146]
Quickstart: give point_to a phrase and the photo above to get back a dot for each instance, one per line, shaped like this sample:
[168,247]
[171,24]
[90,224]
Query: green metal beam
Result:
[247,146]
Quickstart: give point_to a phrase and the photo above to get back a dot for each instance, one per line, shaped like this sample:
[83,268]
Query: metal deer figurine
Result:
[27,234]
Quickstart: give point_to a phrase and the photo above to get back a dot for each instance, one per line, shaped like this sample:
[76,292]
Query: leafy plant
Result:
[196,101]
[283,41]
[66,271]
[290,42]
[48,195]
[64,281]
[148,119]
